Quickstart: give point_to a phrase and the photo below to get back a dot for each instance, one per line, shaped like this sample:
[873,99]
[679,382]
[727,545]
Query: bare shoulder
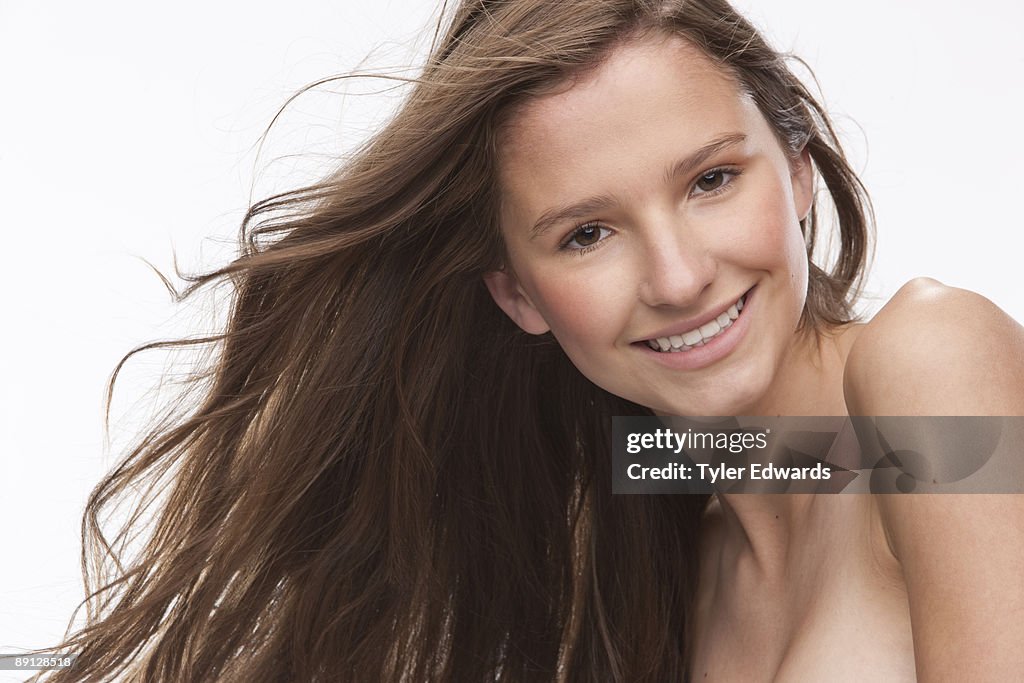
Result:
[937,350]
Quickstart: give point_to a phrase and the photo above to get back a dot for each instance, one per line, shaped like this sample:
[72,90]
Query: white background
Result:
[126,132]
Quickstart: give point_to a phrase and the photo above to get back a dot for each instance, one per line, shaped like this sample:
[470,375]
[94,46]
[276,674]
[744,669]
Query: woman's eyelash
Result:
[595,230]
[592,229]
[727,173]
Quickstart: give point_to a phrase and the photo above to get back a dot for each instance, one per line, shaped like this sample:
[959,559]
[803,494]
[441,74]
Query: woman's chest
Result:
[863,638]
[840,616]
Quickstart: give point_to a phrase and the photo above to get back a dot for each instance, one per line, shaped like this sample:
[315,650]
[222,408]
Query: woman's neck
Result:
[810,380]
[810,384]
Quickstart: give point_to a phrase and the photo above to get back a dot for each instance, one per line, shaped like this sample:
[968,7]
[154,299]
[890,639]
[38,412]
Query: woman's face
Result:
[639,206]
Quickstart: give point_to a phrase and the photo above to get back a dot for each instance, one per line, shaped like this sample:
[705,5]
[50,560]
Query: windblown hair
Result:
[385,479]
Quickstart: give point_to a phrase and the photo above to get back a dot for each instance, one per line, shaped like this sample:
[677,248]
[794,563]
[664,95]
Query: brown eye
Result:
[711,181]
[585,236]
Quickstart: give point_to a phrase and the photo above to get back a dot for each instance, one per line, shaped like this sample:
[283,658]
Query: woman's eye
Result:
[585,236]
[714,180]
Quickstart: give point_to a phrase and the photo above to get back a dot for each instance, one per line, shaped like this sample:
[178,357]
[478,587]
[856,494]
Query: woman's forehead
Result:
[637,83]
[650,102]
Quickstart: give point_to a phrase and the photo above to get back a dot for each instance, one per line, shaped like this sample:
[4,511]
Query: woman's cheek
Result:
[583,306]
[792,252]
[778,238]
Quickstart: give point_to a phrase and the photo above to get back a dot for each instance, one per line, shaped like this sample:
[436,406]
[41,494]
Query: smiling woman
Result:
[694,207]
[633,184]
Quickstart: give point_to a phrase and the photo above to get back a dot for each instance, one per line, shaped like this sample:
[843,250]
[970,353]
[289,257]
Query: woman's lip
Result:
[679,329]
[712,351]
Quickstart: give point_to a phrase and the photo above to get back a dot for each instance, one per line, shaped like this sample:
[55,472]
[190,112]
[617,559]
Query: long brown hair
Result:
[384,478]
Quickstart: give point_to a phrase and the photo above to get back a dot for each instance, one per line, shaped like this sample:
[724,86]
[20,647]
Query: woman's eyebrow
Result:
[588,206]
[578,210]
[697,159]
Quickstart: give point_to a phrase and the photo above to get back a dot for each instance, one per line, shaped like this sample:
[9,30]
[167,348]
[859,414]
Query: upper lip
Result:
[679,328]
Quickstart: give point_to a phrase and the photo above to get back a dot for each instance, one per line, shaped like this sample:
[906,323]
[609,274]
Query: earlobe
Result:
[509,295]
[802,176]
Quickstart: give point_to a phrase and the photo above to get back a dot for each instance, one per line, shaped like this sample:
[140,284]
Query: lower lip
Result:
[702,356]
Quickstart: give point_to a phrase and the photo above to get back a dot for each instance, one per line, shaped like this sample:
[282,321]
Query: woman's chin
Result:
[725,401]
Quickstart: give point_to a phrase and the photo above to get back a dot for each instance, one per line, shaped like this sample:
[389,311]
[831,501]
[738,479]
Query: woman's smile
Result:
[695,332]
[701,343]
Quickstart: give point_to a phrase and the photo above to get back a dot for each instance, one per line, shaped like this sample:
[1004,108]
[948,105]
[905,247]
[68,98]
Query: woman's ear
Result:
[802,176]
[509,295]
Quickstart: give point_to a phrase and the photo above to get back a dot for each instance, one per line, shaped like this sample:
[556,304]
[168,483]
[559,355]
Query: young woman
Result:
[390,477]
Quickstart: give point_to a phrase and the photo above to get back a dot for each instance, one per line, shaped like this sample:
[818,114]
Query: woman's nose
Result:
[675,270]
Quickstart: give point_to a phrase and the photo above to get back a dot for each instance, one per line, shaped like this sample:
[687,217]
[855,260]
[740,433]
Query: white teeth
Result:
[710,330]
[687,340]
[692,337]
